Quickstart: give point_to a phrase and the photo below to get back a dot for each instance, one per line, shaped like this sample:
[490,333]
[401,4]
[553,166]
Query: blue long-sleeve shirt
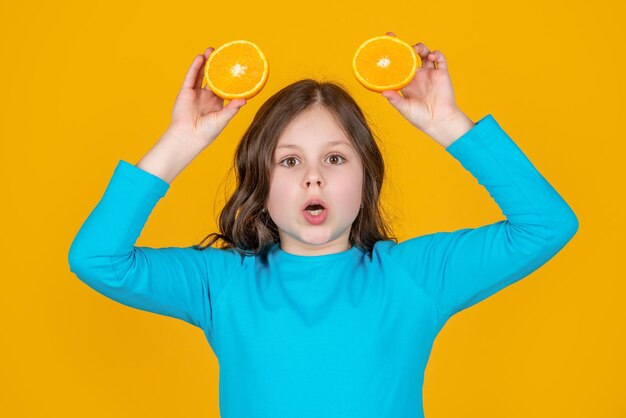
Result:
[336,335]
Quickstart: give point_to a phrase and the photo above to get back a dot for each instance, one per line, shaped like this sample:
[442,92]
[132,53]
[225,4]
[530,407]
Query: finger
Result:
[390,34]
[396,100]
[391,95]
[224,115]
[190,78]
[438,59]
[200,76]
[423,51]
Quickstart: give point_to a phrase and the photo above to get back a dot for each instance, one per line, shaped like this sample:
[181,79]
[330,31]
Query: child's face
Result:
[314,169]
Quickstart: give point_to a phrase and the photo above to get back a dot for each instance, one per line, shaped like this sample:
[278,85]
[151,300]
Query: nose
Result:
[313,178]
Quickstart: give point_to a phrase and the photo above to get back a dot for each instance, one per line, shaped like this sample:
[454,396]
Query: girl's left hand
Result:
[427,102]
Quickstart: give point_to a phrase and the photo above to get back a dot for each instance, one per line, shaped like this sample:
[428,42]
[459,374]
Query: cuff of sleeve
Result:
[140,178]
[486,126]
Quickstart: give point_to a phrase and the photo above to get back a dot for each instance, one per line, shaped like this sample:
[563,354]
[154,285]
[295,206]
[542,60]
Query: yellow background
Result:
[87,84]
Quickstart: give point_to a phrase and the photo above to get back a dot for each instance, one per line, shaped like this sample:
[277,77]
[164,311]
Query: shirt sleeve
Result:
[172,281]
[461,268]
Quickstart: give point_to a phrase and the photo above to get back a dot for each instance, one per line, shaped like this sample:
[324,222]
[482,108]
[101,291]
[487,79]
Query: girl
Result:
[319,315]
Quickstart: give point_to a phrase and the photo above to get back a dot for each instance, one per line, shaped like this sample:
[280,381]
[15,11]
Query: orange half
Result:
[385,63]
[236,70]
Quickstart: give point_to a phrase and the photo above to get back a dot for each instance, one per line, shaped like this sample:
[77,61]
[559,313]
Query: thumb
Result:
[230,110]
[394,98]
[397,100]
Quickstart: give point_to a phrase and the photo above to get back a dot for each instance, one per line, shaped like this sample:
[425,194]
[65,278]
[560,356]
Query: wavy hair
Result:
[242,223]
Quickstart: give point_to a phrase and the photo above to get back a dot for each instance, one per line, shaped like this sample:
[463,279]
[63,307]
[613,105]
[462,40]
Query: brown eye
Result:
[283,162]
[287,159]
[337,155]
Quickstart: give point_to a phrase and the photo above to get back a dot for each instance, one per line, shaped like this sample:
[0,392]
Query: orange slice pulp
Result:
[385,63]
[236,70]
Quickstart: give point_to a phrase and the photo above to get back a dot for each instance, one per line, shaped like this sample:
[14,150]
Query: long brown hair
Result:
[251,231]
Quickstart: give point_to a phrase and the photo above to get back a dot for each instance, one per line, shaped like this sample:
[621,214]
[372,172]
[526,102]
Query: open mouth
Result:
[315,214]
[315,209]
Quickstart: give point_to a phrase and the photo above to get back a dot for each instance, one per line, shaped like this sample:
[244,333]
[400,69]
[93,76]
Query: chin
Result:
[316,241]
[316,237]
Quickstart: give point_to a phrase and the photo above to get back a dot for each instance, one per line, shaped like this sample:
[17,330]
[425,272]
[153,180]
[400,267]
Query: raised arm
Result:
[172,281]
[460,268]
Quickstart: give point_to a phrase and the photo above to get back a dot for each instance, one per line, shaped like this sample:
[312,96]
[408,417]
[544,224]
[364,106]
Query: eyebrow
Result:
[329,143]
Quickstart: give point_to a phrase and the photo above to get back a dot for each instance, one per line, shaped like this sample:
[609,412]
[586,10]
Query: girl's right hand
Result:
[199,115]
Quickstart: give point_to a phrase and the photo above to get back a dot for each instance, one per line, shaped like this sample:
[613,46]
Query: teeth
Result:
[315,212]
